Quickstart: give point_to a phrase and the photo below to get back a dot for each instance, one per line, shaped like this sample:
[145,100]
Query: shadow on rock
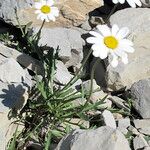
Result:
[13,97]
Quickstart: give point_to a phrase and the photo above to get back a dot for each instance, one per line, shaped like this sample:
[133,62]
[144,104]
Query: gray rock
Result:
[25,60]
[86,26]
[145,131]
[124,123]
[139,19]
[66,39]
[15,83]
[119,102]
[109,119]
[7,11]
[11,71]
[103,138]
[139,25]
[125,75]
[12,96]
[141,123]
[98,94]
[141,96]
[63,76]
[139,142]
[133,130]
[143,126]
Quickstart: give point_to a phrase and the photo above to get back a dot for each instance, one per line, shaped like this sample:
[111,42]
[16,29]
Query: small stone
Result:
[141,123]
[119,102]
[143,126]
[123,130]
[95,96]
[141,97]
[63,76]
[117,116]
[133,130]
[11,71]
[145,131]
[109,119]
[107,104]
[139,142]
[124,123]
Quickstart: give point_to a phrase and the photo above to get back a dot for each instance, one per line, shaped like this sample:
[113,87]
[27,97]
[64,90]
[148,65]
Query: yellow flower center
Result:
[111,42]
[45,9]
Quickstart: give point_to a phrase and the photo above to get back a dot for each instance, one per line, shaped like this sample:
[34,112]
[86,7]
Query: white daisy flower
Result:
[46,11]
[132,3]
[111,42]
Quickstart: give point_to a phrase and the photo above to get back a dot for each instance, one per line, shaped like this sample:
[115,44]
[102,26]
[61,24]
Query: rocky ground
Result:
[125,119]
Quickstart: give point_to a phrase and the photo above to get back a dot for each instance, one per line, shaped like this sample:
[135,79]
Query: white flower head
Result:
[46,11]
[111,42]
[132,3]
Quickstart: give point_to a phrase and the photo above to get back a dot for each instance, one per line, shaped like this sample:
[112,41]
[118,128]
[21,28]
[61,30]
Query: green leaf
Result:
[12,145]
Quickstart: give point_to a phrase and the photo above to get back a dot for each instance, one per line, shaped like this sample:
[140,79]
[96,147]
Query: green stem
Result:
[112,11]
[39,32]
[75,78]
[17,18]
[92,77]
[91,86]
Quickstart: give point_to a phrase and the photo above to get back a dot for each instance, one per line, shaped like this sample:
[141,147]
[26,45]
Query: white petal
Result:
[37,5]
[123,32]
[96,34]
[104,29]
[124,58]
[104,52]
[39,16]
[131,3]
[114,30]
[51,17]
[126,42]
[43,2]
[100,50]
[121,1]
[114,62]
[138,2]
[96,53]
[37,12]
[93,40]
[128,49]
[46,19]
[55,11]
[50,2]
[118,51]
[115,1]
